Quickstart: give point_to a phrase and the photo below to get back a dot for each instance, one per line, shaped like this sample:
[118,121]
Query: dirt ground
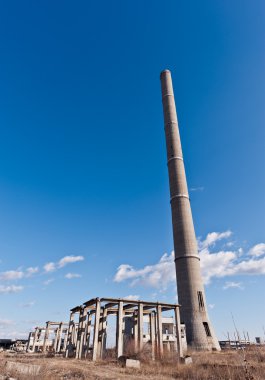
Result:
[246,364]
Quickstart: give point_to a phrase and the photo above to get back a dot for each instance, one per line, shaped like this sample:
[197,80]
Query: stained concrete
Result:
[191,295]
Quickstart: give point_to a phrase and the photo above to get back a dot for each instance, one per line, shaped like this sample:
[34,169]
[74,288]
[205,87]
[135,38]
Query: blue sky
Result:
[83,174]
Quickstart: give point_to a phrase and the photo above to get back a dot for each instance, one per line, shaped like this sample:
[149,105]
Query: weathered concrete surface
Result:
[22,368]
[186,360]
[191,296]
[131,363]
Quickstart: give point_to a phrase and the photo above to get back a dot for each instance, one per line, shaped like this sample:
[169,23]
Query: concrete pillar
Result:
[29,339]
[152,334]
[69,344]
[159,331]
[96,329]
[87,334]
[140,326]
[190,287]
[178,333]
[75,331]
[81,333]
[135,331]
[103,333]
[46,336]
[156,334]
[57,337]
[35,339]
[65,337]
[78,334]
[59,340]
[119,330]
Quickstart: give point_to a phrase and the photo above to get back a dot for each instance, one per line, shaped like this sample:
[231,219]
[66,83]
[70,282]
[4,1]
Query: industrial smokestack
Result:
[191,296]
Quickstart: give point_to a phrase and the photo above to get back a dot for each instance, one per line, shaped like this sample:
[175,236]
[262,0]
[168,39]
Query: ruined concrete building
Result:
[137,324]
[53,338]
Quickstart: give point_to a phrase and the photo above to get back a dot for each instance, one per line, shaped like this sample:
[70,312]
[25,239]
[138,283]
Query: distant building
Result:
[6,343]
[168,332]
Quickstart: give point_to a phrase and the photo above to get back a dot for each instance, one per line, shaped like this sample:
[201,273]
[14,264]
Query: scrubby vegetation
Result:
[247,364]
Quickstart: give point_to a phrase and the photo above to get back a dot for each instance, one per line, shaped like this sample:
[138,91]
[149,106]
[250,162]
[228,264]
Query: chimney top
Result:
[165,71]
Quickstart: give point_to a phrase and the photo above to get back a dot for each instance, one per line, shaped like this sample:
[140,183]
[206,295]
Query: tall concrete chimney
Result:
[191,296]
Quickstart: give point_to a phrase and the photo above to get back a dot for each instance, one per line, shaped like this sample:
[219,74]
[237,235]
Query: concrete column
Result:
[35,339]
[96,329]
[59,340]
[78,334]
[152,334]
[159,331]
[75,331]
[83,333]
[57,337]
[103,333]
[46,336]
[29,339]
[119,330]
[87,334]
[69,344]
[178,333]
[135,331]
[156,334]
[65,337]
[140,326]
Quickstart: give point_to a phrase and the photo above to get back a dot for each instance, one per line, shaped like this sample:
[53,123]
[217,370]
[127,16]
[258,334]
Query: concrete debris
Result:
[25,369]
[131,363]
[186,360]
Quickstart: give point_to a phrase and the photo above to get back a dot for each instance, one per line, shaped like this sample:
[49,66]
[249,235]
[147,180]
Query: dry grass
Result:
[246,364]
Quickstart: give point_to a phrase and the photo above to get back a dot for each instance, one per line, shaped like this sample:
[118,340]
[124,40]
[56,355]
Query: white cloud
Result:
[28,304]
[211,305]
[216,264]
[11,275]
[49,281]
[14,335]
[232,284]
[158,275]
[213,265]
[72,275]
[6,322]
[31,270]
[212,238]
[200,188]
[132,297]
[10,289]
[49,267]
[257,250]
[69,260]
[249,267]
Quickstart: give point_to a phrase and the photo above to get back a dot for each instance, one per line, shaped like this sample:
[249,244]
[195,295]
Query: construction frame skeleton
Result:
[40,340]
[87,331]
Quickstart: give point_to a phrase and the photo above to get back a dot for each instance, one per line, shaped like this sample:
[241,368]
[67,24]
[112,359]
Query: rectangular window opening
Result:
[207,329]
[200,300]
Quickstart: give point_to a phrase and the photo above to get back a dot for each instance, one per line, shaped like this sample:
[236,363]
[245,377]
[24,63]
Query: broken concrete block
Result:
[186,360]
[25,369]
[132,363]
